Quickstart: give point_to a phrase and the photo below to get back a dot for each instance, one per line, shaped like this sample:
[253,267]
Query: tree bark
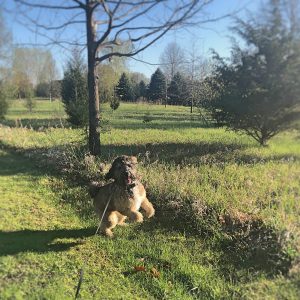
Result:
[94,116]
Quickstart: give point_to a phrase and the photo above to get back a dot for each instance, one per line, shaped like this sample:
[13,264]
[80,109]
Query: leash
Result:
[85,260]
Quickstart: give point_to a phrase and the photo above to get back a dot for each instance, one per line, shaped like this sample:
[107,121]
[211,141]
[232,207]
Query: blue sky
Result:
[214,35]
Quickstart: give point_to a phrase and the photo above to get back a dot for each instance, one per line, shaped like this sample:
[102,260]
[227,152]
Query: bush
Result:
[114,103]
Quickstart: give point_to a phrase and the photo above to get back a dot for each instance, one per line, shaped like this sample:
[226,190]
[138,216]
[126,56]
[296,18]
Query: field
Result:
[228,211]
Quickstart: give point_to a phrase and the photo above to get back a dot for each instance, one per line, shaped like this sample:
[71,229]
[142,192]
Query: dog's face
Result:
[123,170]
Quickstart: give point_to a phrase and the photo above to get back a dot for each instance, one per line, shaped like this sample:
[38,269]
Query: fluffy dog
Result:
[126,195]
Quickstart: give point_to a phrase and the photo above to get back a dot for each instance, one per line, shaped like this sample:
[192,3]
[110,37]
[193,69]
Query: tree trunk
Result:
[263,142]
[94,118]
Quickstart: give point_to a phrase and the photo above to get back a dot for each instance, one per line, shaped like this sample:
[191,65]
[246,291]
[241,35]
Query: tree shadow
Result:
[132,122]
[171,125]
[171,152]
[37,124]
[9,166]
[40,240]
[209,153]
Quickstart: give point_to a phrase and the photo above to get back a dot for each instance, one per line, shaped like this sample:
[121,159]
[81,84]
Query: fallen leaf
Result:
[154,272]
[140,268]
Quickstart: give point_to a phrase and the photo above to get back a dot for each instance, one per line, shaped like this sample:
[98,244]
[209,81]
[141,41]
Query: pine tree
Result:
[3,103]
[157,87]
[143,89]
[74,90]
[124,89]
[114,103]
[30,102]
[177,90]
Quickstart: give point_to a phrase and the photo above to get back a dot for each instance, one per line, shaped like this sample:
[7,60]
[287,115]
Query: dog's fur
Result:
[126,195]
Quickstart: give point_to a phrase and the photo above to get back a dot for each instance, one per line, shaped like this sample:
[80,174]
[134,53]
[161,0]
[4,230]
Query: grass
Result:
[197,176]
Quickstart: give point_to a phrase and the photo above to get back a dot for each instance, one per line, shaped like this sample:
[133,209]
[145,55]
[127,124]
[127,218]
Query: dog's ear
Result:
[109,174]
[94,188]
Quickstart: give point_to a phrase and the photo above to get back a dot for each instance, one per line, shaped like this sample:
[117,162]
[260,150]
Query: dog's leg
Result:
[121,219]
[112,221]
[134,216]
[148,208]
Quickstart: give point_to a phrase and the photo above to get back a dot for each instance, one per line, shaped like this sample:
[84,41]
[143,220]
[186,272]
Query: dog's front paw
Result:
[150,213]
[136,216]
[122,221]
[108,233]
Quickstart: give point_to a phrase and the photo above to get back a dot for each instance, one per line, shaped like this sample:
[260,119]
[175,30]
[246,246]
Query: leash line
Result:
[85,260]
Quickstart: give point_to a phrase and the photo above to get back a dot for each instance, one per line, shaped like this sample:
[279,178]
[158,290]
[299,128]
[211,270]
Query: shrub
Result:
[114,103]
[30,102]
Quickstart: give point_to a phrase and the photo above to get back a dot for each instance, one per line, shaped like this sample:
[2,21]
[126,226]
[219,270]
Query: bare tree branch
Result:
[71,21]
[39,5]
[167,26]
[109,25]
[137,15]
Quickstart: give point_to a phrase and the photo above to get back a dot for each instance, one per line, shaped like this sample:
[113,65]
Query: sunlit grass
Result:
[187,166]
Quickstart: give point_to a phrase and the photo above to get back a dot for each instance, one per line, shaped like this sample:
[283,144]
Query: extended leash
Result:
[84,262]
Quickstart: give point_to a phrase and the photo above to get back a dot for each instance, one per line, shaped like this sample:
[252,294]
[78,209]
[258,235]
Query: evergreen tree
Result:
[143,89]
[74,90]
[30,102]
[258,92]
[3,103]
[177,90]
[114,103]
[42,89]
[157,86]
[135,90]
[124,89]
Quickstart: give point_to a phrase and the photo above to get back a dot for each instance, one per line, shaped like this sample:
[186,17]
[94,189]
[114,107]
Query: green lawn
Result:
[228,211]
[44,244]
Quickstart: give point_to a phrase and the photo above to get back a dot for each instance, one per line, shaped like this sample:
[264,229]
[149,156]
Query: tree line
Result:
[156,91]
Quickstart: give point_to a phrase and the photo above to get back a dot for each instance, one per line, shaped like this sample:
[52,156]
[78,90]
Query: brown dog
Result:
[126,195]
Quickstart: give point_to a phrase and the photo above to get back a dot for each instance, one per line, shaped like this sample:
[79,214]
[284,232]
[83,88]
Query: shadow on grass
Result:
[40,240]
[257,251]
[133,123]
[13,164]
[193,153]
[36,124]
[170,152]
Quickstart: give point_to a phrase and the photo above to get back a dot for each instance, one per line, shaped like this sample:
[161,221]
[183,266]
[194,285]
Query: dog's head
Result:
[123,170]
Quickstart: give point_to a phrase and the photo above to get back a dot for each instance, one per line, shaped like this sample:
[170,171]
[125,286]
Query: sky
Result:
[214,35]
